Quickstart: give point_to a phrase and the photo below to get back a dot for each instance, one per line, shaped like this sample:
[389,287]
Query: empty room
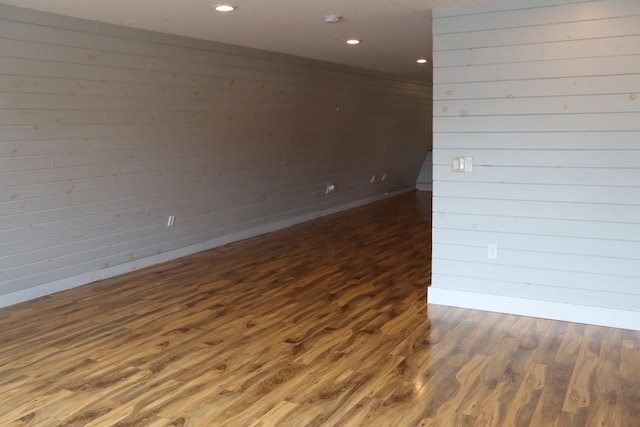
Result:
[337,213]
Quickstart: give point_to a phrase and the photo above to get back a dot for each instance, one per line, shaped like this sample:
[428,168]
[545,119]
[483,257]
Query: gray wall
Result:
[544,95]
[106,131]
[425,177]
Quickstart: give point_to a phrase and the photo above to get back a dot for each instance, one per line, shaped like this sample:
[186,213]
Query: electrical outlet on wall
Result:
[492,251]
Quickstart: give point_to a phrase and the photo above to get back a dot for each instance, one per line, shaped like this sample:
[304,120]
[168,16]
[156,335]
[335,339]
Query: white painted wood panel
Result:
[532,123]
[549,261]
[538,209]
[519,278]
[600,48]
[620,103]
[565,67]
[540,140]
[620,26]
[578,158]
[558,175]
[567,296]
[564,86]
[537,226]
[540,242]
[19,178]
[569,286]
[105,131]
[551,192]
[531,13]
[543,95]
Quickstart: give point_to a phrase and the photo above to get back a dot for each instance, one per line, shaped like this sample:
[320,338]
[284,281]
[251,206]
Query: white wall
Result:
[106,131]
[545,96]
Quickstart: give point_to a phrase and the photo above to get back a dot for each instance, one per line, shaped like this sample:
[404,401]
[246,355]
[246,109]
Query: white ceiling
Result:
[394,33]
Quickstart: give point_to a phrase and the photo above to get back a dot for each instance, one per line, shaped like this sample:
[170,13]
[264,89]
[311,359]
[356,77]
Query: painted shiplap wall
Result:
[106,131]
[545,96]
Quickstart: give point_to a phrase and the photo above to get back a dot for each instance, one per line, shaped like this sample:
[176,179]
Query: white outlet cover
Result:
[492,251]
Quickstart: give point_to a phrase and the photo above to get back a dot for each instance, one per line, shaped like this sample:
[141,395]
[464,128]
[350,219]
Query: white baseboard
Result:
[93,276]
[536,308]
[424,187]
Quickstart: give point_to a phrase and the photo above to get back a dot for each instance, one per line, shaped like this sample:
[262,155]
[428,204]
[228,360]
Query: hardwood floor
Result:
[321,324]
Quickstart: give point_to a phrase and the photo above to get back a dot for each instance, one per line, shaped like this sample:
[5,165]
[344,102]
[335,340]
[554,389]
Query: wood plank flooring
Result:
[321,324]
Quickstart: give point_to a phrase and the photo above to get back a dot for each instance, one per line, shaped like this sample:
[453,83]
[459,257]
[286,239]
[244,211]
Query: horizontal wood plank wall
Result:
[544,95]
[107,131]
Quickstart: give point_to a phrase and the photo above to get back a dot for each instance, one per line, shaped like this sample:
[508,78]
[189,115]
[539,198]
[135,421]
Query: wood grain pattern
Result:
[321,324]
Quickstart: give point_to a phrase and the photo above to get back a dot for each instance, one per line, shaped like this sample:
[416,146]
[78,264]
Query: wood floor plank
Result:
[465,377]
[628,397]
[549,409]
[27,411]
[320,324]
[276,416]
[525,401]
[480,391]
[604,396]
[503,397]
[581,384]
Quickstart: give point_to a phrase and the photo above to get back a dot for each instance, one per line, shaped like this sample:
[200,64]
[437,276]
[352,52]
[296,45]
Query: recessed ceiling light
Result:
[353,41]
[224,8]
[422,61]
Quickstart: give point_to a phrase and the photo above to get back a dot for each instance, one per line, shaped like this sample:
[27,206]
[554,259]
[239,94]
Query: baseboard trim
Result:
[38,291]
[601,316]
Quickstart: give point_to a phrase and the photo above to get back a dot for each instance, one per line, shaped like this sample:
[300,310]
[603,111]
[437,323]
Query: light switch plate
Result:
[462,164]
[468,164]
[457,164]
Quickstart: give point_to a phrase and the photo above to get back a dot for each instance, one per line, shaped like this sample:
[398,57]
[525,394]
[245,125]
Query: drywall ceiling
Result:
[394,33]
